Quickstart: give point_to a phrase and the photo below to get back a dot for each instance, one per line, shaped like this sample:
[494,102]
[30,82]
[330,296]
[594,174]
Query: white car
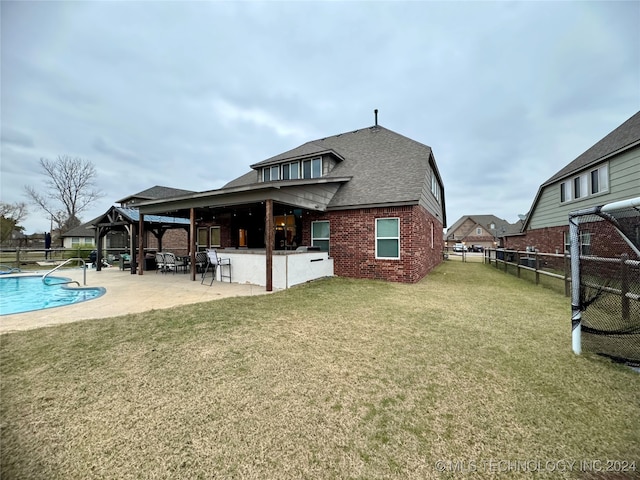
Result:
[459,247]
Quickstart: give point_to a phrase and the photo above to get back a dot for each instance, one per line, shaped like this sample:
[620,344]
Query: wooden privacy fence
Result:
[559,266]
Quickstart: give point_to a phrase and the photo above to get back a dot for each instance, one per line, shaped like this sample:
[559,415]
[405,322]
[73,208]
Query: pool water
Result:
[28,293]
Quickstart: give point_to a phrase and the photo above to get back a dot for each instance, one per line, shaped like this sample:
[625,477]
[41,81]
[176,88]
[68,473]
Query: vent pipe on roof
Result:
[375,112]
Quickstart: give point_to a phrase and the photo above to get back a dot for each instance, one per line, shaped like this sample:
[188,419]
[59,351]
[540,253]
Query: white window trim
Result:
[387,238]
[311,160]
[586,184]
[327,239]
[287,167]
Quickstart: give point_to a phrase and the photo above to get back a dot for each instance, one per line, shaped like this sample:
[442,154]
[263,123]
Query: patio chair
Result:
[171,263]
[160,262]
[201,261]
[213,262]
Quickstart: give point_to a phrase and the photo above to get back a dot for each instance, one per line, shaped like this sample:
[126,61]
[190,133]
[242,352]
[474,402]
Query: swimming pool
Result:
[28,293]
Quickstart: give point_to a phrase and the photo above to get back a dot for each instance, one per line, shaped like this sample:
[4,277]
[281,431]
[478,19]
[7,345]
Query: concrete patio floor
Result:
[126,293]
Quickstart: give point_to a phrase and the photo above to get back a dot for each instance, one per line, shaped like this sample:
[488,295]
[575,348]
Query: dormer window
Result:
[271,173]
[312,168]
[291,171]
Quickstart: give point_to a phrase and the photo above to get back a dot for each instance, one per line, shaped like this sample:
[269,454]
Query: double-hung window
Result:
[388,238]
[320,235]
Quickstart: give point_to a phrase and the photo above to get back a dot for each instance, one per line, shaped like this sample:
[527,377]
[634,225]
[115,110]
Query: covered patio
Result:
[259,227]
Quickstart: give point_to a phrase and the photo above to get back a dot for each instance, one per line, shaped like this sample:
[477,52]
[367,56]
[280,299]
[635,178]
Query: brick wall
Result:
[547,240]
[175,240]
[605,240]
[352,243]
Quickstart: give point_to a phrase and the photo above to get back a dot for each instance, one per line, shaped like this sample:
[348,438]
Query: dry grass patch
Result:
[334,379]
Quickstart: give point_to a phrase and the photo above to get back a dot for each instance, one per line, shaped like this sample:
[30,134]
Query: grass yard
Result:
[337,379]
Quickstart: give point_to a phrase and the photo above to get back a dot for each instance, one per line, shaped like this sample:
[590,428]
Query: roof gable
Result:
[500,225]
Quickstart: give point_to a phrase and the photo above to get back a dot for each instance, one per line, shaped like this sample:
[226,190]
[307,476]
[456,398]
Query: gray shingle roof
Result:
[155,193]
[484,220]
[385,167]
[626,134]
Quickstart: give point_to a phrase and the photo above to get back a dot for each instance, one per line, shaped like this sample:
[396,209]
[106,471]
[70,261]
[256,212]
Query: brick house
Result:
[372,198]
[480,230]
[607,172]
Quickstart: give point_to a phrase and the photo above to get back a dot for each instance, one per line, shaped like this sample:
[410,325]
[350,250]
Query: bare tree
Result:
[69,190]
[11,214]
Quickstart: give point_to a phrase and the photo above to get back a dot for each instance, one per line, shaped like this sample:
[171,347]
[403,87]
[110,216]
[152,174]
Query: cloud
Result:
[103,146]
[190,94]
[16,138]
[238,117]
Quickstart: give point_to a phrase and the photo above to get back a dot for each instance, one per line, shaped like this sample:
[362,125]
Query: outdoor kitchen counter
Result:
[290,267]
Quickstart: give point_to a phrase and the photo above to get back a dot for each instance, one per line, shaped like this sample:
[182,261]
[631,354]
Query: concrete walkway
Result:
[126,293]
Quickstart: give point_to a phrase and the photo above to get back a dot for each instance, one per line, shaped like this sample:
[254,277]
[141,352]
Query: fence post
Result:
[537,264]
[567,275]
[517,257]
[624,275]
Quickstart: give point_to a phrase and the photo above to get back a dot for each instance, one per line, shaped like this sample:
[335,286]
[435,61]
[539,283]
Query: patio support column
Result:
[141,244]
[101,235]
[269,240]
[131,232]
[192,241]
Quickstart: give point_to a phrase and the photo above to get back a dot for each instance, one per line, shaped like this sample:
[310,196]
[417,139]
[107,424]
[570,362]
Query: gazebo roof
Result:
[125,215]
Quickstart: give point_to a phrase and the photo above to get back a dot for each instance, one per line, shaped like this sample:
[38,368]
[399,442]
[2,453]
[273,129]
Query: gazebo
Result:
[128,220]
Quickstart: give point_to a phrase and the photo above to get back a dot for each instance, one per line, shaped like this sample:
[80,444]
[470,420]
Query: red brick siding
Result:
[547,240]
[352,243]
[175,240]
[605,240]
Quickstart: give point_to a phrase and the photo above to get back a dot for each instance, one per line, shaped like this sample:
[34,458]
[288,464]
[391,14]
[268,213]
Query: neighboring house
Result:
[372,198]
[607,172]
[82,236]
[480,230]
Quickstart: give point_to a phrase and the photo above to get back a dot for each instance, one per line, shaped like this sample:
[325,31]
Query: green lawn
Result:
[337,379]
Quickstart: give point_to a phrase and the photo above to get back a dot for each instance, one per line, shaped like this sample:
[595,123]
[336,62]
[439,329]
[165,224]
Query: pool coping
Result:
[125,293]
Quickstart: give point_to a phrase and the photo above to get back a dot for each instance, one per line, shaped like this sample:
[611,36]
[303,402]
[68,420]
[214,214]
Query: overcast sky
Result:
[189,94]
